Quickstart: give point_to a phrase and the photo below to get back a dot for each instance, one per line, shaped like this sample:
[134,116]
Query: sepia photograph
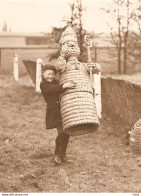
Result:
[70,97]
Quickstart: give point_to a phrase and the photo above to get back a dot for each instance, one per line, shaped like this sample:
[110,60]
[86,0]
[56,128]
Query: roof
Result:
[32,34]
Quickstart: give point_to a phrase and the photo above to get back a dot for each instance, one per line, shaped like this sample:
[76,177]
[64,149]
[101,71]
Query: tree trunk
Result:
[119,60]
[125,54]
[119,45]
[126,38]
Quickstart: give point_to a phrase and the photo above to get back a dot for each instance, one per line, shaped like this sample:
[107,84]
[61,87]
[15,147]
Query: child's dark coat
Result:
[50,92]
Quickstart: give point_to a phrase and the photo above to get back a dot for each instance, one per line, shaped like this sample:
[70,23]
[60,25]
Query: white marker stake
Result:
[38,74]
[97,87]
[16,68]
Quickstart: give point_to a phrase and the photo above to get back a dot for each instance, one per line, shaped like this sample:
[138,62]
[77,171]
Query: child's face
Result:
[49,75]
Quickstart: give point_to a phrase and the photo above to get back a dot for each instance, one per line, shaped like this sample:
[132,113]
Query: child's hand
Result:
[97,68]
[70,84]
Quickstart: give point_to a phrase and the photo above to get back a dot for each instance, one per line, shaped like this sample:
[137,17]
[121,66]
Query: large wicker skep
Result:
[78,107]
[135,137]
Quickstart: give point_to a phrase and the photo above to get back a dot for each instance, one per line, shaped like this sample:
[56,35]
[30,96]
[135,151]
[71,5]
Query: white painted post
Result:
[38,74]
[16,68]
[97,87]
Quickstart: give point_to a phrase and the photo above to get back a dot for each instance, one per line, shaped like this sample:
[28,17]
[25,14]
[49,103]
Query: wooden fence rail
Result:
[105,56]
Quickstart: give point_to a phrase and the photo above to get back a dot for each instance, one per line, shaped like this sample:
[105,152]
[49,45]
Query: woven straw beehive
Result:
[135,137]
[78,107]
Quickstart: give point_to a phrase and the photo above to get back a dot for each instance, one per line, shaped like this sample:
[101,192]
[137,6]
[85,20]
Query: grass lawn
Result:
[103,162]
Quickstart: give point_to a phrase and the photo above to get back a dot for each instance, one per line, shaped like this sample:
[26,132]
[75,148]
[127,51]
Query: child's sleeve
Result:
[51,89]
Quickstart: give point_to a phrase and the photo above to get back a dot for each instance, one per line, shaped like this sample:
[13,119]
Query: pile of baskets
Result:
[135,137]
[78,109]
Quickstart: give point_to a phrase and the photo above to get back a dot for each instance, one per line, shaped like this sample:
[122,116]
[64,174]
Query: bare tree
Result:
[123,15]
[77,10]
[116,35]
[130,14]
[137,17]
[119,45]
[125,36]
[135,38]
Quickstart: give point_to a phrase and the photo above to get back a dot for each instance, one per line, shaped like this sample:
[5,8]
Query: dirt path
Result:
[102,160]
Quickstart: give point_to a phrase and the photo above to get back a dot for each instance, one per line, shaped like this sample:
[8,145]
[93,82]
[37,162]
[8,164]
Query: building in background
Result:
[23,39]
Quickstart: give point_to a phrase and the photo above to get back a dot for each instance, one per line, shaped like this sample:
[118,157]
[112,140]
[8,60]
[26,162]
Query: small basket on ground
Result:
[135,137]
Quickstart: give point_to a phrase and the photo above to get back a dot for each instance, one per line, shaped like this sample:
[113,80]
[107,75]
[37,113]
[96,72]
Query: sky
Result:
[42,15]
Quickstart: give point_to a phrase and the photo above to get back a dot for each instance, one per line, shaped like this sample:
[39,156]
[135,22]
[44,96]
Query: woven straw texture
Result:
[80,77]
[135,140]
[78,107]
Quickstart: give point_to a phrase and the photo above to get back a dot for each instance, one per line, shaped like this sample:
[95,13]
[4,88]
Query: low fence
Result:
[122,99]
[105,56]
[24,53]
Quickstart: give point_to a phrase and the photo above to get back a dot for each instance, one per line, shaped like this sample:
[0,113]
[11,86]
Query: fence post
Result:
[97,87]
[38,74]
[16,68]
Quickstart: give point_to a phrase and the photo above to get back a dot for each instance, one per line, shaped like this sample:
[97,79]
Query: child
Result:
[51,90]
